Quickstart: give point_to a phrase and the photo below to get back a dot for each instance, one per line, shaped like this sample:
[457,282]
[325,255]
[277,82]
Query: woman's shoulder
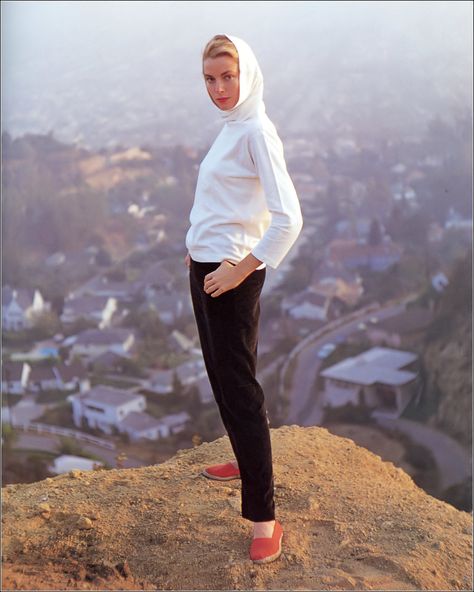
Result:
[261,127]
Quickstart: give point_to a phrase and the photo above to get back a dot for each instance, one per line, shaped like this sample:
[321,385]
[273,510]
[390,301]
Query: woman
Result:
[246,215]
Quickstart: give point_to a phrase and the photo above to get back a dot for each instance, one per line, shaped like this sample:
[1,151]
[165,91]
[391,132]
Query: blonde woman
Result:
[246,215]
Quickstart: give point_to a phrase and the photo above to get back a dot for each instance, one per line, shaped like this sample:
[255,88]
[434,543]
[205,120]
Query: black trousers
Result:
[228,332]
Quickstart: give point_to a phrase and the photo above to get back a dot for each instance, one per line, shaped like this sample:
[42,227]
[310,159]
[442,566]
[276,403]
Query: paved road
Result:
[449,455]
[305,406]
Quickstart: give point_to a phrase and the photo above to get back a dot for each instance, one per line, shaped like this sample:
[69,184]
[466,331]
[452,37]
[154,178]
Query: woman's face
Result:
[221,76]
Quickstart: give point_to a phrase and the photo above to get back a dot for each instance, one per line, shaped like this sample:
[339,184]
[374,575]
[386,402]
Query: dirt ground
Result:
[351,522]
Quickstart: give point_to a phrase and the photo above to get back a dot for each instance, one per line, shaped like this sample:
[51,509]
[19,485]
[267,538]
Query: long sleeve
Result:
[266,151]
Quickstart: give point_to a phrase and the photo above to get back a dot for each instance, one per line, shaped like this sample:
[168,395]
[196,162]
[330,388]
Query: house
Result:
[353,254]
[97,309]
[170,307]
[356,229]
[15,377]
[42,378]
[439,281]
[381,378]
[312,305]
[122,291]
[142,425]
[72,376]
[406,327]
[156,277]
[104,407]
[456,221]
[206,395]
[93,342]
[344,284]
[42,350]
[191,371]
[162,381]
[69,462]
[20,307]
[107,362]
[180,343]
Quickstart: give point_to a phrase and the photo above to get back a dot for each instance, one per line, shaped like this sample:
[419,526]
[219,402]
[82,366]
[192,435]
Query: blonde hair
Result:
[220,45]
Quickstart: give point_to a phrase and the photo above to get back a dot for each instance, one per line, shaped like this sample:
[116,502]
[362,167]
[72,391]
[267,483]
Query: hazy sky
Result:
[56,45]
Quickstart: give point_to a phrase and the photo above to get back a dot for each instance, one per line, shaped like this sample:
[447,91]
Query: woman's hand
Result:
[224,278]
[187,260]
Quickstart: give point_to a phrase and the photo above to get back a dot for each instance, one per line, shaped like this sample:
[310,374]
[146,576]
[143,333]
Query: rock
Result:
[75,474]
[84,523]
[234,502]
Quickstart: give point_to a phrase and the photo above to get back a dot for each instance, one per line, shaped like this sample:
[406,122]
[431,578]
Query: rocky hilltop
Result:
[351,522]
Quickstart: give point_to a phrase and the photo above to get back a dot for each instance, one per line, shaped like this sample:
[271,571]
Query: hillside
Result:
[448,354]
[351,521]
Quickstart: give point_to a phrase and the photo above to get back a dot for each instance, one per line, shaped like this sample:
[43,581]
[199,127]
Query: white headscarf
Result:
[250,101]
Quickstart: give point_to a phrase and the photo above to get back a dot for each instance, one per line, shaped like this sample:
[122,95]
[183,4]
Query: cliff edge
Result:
[350,520]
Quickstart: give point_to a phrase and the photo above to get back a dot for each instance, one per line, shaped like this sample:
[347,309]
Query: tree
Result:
[9,437]
[375,233]
[178,389]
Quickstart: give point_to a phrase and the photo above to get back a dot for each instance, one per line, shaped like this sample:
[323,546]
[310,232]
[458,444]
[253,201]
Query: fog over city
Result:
[101,73]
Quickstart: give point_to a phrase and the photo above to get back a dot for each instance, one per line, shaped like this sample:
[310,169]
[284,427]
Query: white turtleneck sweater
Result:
[245,201]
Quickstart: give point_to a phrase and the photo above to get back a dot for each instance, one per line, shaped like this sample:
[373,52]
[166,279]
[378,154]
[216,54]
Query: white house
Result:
[439,281]
[93,342]
[311,304]
[98,309]
[142,425]
[69,462]
[15,377]
[20,307]
[104,407]
[381,378]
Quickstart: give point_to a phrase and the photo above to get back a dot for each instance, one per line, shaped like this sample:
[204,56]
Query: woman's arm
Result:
[228,275]
[266,151]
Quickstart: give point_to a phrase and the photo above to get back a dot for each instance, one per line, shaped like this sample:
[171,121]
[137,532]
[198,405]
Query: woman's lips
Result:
[221,100]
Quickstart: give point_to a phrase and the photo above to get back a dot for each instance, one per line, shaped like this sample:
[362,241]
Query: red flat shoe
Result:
[222,472]
[266,549]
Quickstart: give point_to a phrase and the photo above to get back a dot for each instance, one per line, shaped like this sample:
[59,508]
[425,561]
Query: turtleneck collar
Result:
[250,103]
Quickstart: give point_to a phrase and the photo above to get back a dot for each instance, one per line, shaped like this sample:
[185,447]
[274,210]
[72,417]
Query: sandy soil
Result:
[351,522]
